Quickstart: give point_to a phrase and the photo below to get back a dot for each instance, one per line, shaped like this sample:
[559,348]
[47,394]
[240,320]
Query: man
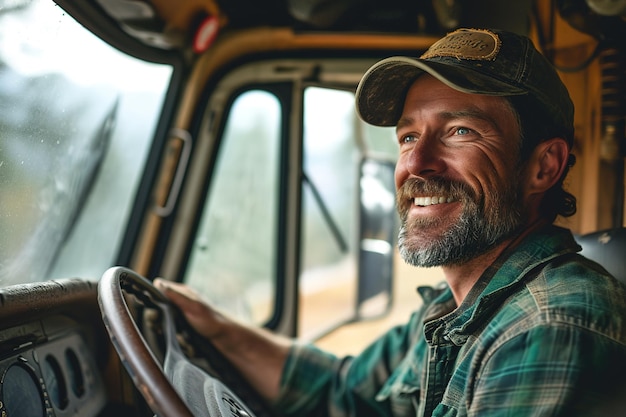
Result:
[526,326]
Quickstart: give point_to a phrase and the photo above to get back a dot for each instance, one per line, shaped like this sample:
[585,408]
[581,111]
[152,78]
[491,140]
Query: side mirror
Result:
[377,237]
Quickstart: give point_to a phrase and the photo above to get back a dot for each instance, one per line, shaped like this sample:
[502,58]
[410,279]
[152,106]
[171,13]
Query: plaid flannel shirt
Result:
[542,333]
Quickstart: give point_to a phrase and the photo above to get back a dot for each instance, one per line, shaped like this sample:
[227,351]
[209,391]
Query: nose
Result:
[425,158]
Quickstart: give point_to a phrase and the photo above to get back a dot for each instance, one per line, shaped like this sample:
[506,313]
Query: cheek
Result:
[400,173]
[492,169]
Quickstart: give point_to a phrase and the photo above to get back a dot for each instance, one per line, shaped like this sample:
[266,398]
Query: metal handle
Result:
[183,161]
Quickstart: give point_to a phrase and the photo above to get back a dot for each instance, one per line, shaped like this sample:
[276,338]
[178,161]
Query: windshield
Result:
[76,122]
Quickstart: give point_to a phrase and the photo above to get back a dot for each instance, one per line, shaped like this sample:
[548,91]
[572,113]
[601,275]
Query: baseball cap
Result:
[477,61]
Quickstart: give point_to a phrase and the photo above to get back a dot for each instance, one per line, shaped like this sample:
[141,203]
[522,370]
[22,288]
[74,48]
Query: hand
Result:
[257,353]
[204,319]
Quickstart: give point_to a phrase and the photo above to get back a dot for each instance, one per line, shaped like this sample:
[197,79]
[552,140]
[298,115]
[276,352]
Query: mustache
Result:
[413,187]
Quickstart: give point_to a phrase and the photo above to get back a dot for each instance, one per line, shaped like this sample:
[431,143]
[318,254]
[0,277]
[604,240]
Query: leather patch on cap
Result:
[476,44]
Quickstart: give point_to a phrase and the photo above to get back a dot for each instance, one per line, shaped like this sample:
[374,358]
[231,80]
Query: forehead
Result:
[429,95]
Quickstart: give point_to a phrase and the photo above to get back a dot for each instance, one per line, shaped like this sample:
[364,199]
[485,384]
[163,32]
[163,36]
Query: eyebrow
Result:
[469,113]
[404,121]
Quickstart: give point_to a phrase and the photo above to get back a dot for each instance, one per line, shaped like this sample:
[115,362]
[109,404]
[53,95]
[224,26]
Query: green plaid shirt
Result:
[542,333]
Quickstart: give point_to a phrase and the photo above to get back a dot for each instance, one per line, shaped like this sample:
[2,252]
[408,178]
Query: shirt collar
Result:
[444,320]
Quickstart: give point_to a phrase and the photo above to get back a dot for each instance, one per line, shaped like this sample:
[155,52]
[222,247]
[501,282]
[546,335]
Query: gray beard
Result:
[474,233]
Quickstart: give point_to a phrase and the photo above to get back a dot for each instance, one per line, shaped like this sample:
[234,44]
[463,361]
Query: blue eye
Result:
[408,139]
[463,131]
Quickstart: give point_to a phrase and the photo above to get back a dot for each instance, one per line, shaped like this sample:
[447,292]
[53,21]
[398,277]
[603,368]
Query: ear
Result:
[546,165]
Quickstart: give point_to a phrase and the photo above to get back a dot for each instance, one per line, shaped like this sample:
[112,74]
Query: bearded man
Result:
[526,326]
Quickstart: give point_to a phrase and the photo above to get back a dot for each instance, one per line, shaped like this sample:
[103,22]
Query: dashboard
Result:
[55,378]
[51,350]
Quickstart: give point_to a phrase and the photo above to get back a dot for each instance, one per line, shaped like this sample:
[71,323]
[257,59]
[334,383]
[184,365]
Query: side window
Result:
[335,141]
[233,258]
[328,279]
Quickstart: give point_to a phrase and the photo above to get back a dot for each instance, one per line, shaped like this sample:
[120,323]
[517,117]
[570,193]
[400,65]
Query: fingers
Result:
[198,313]
[179,294]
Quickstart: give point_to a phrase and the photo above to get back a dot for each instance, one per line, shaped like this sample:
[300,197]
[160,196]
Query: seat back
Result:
[608,248]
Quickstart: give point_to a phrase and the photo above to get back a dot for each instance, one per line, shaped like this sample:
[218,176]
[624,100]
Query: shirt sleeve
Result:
[317,383]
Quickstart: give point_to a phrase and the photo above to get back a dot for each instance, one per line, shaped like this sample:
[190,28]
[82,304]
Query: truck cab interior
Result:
[216,143]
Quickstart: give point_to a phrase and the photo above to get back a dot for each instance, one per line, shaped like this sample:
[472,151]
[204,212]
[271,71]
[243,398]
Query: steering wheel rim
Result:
[144,369]
[178,388]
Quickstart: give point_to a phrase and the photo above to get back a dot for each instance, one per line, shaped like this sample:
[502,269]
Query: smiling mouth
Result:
[430,201]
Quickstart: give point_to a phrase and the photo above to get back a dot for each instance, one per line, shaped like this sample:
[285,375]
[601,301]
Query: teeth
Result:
[429,201]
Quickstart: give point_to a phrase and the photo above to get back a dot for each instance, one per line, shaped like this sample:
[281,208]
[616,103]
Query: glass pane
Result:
[380,141]
[331,163]
[233,260]
[76,119]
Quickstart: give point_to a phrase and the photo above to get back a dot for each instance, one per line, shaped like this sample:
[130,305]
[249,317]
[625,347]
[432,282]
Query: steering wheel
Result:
[179,388]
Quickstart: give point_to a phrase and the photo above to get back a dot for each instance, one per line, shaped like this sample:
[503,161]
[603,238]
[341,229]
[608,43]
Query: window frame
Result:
[206,129]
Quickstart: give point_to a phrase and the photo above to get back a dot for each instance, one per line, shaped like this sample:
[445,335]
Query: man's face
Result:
[458,176]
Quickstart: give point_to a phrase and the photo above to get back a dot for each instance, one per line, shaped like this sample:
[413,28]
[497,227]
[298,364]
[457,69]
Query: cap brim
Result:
[381,93]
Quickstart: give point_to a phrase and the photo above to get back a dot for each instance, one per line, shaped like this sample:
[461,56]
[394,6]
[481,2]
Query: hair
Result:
[535,128]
